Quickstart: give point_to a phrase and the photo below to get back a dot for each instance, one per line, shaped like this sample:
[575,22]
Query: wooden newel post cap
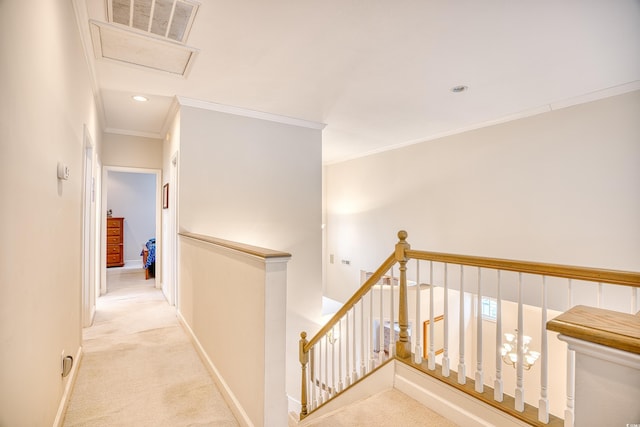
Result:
[402,246]
[304,356]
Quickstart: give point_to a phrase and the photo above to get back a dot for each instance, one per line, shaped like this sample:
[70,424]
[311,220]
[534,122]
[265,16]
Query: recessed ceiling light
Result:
[140,98]
[459,88]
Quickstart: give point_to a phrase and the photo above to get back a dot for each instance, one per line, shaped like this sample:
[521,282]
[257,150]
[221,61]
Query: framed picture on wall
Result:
[438,338]
[165,196]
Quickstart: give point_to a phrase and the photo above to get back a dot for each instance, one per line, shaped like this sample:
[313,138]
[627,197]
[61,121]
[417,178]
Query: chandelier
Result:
[509,351]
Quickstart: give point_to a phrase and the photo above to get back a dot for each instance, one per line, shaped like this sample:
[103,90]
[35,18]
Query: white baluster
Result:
[497,384]
[320,376]
[333,366]
[339,340]
[479,372]
[462,369]
[346,349]
[417,327]
[432,353]
[599,297]
[312,376]
[445,354]
[571,366]
[519,364]
[392,317]
[371,332]
[363,365]
[326,369]
[571,389]
[381,326]
[354,355]
[543,403]
[634,300]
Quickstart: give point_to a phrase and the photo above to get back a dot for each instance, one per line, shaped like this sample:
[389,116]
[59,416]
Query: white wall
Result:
[131,151]
[133,196]
[559,187]
[235,305]
[46,100]
[257,182]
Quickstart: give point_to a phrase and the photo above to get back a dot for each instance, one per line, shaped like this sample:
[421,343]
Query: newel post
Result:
[403,345]
[304,360]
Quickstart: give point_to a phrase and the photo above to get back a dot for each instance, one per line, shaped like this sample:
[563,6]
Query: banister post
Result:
[403,345]
[304,360]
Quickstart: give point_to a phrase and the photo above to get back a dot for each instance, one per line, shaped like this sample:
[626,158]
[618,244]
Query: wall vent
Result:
[169,19]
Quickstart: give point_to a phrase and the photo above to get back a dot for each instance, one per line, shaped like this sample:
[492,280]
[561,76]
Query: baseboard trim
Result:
[227,394]
[452,404]
[68,389]
[375,382]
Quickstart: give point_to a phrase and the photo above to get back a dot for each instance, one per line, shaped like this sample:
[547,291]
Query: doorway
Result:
[132,194]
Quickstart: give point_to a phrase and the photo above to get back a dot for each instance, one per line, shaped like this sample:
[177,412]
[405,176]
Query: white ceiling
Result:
[378,73]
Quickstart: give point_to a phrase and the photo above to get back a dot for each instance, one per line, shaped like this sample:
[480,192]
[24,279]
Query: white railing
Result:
[375,325]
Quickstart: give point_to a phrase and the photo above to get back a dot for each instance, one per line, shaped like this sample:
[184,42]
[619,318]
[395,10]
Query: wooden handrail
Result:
[605,327]
[371,281]
[240,247]
[626,278]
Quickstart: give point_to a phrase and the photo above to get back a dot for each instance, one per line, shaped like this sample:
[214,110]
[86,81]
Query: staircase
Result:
[427,337]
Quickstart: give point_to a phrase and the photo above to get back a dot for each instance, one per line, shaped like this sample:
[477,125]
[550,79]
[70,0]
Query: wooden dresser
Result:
[115,242]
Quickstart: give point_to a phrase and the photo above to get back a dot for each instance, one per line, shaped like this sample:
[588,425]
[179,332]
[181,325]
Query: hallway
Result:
[139,367]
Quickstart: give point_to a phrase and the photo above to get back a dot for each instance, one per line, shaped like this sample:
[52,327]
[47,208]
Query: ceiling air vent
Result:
[169,19]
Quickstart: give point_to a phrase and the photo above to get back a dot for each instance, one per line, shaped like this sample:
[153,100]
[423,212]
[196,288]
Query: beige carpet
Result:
[390,408]
[139,367]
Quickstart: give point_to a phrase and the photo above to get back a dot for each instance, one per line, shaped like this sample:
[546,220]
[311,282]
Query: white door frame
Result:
[89,244]
[170,286]
[158,175]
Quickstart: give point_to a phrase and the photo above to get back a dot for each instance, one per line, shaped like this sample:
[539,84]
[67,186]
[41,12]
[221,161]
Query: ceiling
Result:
[379,73]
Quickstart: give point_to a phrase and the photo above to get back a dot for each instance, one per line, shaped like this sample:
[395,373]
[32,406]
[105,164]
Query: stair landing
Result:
[387,408]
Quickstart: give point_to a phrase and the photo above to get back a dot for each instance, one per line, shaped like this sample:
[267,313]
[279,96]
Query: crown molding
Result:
[239,111]
[553,106]
[153,135]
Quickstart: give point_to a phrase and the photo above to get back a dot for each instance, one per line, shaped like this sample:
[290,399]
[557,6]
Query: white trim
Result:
[173,110]
[158,208]
[82,19]
[602,352]
[239,111]
[449,402]
[89,222]
[68,389]
[596,95]
[226,392]
[154,135]
[380,380]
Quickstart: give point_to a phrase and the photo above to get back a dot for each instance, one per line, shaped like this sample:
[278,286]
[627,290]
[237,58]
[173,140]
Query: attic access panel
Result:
[116,43]
[170,19]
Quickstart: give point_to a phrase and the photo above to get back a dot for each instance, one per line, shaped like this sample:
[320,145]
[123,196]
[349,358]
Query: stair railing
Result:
[367,332]
[360,343]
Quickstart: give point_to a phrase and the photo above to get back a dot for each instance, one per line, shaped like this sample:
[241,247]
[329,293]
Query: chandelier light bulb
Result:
[509,351]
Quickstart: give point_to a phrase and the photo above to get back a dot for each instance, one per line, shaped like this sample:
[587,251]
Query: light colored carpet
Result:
[386,409]
[139,367]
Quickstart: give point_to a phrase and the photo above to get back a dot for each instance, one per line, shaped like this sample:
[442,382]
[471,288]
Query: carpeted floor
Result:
[139,367]
[387,409]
